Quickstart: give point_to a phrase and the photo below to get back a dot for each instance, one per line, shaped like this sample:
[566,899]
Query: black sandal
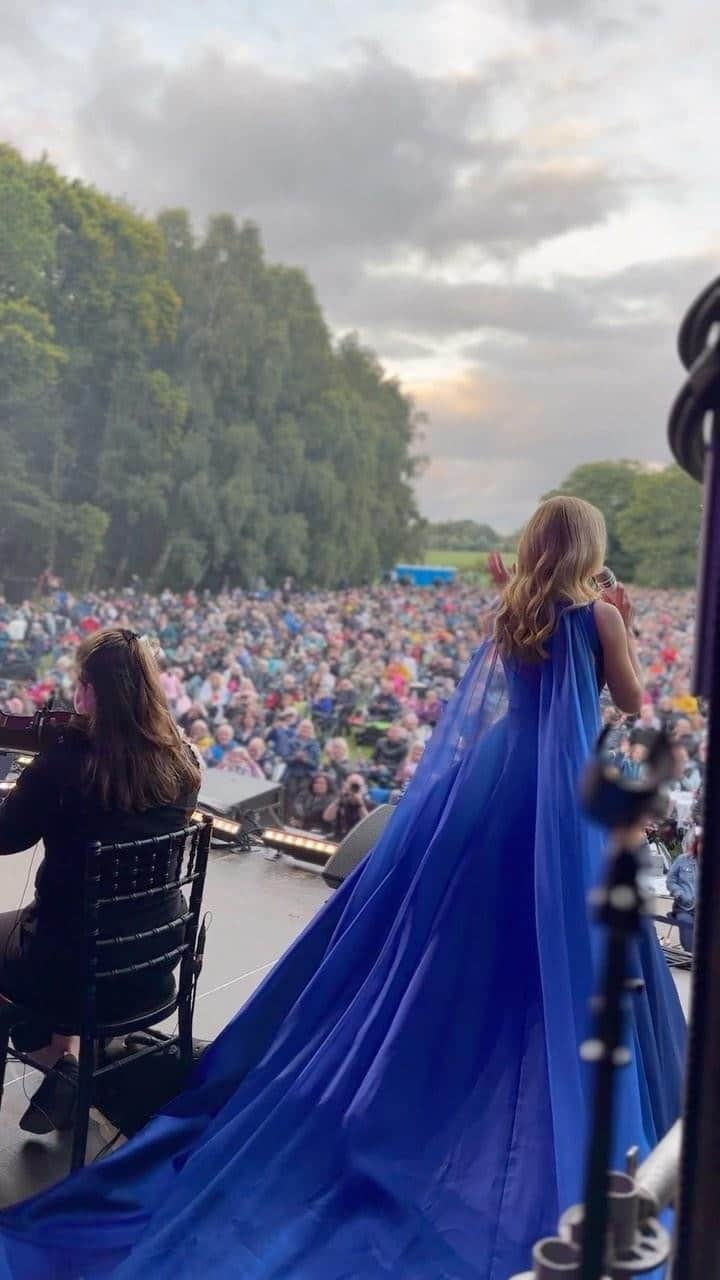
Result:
[54,1103]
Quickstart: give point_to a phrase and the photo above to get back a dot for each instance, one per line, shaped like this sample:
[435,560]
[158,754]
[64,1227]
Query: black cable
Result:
[108,1146]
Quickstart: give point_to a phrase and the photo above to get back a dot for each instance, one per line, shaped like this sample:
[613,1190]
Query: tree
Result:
[660,528]
[462,535]
[610,487]
[27,235]
[173,406]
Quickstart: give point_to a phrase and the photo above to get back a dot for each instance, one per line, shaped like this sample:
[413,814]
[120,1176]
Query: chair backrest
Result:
[141,879]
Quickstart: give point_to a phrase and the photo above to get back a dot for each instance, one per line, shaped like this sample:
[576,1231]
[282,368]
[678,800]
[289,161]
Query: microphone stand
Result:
[622,806]
[600,1237]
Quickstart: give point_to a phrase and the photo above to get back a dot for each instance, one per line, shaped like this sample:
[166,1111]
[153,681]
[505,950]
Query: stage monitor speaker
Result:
[356,844]
[250,802]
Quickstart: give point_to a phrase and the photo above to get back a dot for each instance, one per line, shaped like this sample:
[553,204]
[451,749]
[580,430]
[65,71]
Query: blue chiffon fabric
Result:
[402,1097]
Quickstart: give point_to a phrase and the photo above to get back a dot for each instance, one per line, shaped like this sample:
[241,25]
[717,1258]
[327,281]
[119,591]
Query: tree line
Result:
[173,406]
[462,535]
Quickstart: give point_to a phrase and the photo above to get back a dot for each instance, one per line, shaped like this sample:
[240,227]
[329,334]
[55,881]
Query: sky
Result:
[511,202]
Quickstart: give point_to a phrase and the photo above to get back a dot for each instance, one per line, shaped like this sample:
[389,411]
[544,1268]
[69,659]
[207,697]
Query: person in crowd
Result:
[688,773]
[195,711]
[338,763]
[214,694]
[646,726]
[200,736]
[385,704]
[313,806]
[172,684]
[348,808]
[346,699]
[302,763]
[238,760]
[258,751]
[416,732]
[389,754]
[282,734]
[408,769]
[248,724]
[682,885]
[224,742]
[633,759]
[125,774]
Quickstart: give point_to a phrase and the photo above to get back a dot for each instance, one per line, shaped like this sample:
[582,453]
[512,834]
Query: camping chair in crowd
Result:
[679,955]
[121,874]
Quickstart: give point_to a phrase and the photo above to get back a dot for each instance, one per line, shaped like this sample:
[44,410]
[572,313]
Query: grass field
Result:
[471,564]
[461,560]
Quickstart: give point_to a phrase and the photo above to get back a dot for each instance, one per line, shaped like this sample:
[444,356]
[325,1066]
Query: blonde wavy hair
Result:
[561,549]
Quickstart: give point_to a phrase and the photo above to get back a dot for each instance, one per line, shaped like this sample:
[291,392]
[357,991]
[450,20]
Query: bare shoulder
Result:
[609,622]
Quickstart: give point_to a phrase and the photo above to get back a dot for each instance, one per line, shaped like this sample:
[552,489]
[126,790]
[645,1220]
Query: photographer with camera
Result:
[349,808]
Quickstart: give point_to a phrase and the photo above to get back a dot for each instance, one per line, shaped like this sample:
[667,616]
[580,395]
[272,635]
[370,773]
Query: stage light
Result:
[25,759]
[294,842]
[228,828]
[6,786]
[224,828]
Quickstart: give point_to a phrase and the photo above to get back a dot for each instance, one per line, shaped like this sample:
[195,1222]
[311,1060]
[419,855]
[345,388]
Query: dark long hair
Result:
[138,757]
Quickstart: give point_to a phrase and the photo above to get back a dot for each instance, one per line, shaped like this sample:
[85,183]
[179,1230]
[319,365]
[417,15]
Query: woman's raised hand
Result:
[496,568]
[620,598]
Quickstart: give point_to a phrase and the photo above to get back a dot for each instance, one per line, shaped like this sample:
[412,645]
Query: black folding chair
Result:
[137,873]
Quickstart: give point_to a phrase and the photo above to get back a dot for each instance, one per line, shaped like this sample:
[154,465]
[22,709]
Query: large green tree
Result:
[660,528]
[610,487]
[653,519]
[173,406]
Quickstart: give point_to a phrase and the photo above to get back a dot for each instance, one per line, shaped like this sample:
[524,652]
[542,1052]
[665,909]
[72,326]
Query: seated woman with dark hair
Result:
[313,805]
[124,774]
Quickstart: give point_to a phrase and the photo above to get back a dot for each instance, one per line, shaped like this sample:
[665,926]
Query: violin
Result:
[33,734]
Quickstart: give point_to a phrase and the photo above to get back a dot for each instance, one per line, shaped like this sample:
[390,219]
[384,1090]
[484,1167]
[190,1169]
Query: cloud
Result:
[438,308]
[339,168]
[511,427]
[600,15]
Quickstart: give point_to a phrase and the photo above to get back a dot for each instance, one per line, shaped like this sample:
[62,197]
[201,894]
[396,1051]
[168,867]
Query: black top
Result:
[50,804]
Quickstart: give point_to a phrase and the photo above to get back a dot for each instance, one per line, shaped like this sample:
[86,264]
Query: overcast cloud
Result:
[505,200]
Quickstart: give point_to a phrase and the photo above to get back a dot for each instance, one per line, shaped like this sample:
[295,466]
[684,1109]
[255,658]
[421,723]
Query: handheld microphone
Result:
[606,579]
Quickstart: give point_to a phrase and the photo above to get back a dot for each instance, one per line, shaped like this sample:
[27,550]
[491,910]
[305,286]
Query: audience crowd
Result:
[337,693]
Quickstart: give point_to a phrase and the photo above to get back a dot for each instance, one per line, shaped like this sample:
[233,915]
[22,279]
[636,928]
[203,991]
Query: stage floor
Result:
[258,906]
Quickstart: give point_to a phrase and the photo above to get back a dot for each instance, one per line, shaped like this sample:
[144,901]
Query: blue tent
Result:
[424,575]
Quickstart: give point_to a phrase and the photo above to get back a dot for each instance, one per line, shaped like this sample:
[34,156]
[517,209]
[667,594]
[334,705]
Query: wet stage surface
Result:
[258,907]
